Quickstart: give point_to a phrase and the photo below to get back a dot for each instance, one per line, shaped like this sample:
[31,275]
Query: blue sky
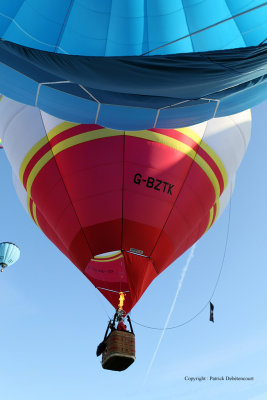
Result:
[52,318]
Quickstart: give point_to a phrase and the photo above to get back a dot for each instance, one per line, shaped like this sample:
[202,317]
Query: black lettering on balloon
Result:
[165,184]
[154,183]
[137,178]
[150,182]
[170,189]
[156,187]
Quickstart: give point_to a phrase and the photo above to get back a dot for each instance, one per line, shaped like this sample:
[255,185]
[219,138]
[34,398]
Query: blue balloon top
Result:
[134,65]
[127,27]
[9,253]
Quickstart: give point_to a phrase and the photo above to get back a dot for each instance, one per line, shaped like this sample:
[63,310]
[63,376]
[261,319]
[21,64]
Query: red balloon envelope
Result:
[146,196]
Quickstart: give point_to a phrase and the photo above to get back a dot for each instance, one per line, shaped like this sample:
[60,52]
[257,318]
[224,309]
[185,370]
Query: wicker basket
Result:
[120,351]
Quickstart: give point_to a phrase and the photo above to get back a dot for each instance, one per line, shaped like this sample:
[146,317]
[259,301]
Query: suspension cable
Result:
[215,286]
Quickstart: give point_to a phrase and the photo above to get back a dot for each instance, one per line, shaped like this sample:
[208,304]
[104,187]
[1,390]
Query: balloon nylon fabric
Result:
[136,92]
[126,27]
[150,194]
[9,253]
[208,59]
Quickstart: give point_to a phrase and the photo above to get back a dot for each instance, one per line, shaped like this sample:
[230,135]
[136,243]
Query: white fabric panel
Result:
[229,138]
[199,128]
[226,195]
[8,111]
[21,127]
[21,192]
[49,121]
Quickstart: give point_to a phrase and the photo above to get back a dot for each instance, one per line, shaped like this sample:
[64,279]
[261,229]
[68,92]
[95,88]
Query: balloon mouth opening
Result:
[108,254]
[116,253]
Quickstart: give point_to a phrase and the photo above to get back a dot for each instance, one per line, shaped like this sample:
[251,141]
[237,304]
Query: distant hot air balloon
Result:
[9,254]
[133,65]
[146,196]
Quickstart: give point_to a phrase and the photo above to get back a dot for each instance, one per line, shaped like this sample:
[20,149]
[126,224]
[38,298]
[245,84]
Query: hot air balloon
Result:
[9,254]
[122,205]
[126,186]
[134,65]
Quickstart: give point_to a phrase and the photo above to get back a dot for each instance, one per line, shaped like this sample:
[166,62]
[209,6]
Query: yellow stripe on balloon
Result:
[203,145]
[29,206]
[65,144]
[163,139]
[183,148]
[217,210]
[84,137]
[213,218]
[109,260]
[110,256]
[36,169]
[216,159]
[210,219]
[104,133]
[60,128]
[50,135]
[209,172]
[32,212]
[35,214]
[30,155]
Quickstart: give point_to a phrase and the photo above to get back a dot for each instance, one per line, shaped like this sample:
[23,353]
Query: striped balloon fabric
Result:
[145,196]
